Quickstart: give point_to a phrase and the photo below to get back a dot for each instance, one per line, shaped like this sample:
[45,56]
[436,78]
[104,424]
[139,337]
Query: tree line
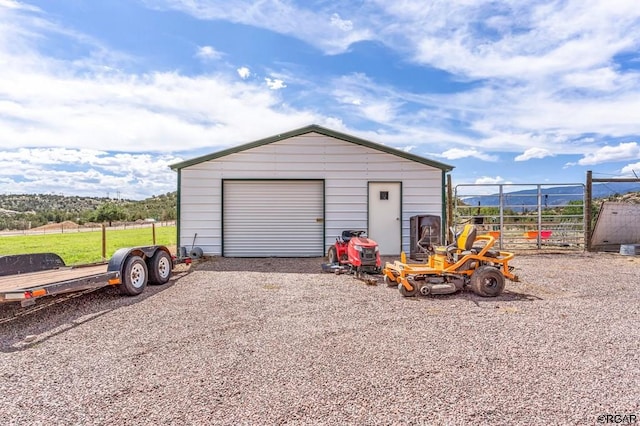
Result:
[26,211]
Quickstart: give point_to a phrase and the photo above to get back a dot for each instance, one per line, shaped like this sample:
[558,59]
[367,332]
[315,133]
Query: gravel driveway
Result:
[273,341]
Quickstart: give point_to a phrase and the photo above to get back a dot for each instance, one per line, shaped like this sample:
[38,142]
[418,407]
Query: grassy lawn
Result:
[77,248]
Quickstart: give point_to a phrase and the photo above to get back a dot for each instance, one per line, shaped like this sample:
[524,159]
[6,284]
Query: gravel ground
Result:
[273,341]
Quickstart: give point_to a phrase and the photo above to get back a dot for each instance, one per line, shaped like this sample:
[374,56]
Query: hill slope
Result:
[18,211]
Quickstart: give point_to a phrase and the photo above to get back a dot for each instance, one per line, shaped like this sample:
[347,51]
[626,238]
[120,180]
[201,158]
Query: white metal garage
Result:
[292,194]
[273,217]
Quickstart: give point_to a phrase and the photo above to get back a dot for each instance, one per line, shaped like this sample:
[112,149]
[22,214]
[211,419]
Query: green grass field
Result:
[77,248]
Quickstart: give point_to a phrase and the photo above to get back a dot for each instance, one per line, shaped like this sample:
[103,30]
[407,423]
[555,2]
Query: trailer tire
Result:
[134,277]
[160,267]
[487,281]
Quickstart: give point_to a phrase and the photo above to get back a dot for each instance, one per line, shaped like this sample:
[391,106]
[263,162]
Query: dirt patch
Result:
[67,224]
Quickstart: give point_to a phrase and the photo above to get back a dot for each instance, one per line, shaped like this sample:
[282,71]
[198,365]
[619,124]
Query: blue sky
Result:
[99,97]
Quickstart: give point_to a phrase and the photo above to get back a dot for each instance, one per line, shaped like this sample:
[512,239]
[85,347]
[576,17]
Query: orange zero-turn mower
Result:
[454,267]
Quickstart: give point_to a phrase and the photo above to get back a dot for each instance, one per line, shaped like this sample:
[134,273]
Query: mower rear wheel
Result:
[407,293]
[332,255]
[487,281]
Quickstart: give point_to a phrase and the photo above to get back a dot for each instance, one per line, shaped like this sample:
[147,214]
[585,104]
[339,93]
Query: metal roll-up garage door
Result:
[281,218]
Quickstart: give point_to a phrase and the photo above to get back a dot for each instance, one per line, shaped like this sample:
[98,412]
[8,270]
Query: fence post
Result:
[501,212]
[539,224]
[587,212]
[104,243]
[153,231]
[450,202]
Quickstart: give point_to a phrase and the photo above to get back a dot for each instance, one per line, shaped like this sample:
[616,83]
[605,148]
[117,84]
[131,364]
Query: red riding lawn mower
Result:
[354,253]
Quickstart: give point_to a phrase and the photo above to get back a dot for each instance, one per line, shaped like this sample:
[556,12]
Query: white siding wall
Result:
[345,167]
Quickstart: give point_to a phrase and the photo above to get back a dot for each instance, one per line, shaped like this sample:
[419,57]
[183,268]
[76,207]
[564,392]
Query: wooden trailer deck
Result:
[43,278]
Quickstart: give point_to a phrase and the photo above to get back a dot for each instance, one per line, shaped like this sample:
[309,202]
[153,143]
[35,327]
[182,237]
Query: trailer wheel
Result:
[134,277]
[487,281]
[160,266]
[332,255]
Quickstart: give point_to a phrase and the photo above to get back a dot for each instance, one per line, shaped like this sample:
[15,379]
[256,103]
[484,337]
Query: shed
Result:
[291,194]
[618,223]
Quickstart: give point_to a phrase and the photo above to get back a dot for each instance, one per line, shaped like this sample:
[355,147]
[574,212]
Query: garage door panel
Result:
[273,218]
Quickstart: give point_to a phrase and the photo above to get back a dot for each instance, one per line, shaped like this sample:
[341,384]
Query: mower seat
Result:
[346,236]
[464,242]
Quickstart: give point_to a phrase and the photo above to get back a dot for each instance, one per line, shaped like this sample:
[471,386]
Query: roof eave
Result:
[314,128]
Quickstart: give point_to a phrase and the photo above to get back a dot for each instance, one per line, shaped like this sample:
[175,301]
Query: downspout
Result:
[178,202]
[447,202]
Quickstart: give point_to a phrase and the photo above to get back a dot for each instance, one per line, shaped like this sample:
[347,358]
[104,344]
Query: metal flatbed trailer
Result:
[25,278]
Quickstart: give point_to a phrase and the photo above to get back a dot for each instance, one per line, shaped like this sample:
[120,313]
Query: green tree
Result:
[108,212]
[574,207]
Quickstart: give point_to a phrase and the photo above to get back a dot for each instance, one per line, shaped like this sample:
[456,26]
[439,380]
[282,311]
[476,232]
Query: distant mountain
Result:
[553,196]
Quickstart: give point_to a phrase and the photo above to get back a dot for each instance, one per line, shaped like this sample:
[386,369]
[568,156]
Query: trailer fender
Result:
[117,261]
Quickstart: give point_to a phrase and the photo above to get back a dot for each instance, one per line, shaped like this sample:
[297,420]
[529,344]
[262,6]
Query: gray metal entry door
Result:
[385,209]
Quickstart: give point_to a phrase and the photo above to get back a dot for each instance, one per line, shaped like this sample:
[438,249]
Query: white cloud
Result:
[364,98]
[208,53]
[13,4]
[490,180]
[344,25]
[604,78]
[519,40]
[380,111]
[458,153]
[84,172]
[632,170]
[621,152]
[244,72]
[158,112]
[315,23]
[484,185]
[532,153]
[275,83]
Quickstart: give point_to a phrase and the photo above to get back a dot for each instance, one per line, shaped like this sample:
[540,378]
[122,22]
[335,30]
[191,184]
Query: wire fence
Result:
[71,227]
